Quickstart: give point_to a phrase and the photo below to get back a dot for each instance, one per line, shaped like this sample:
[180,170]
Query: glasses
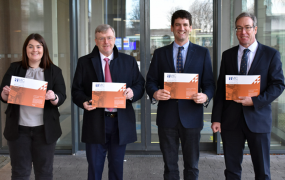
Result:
[109,38]
[247,28]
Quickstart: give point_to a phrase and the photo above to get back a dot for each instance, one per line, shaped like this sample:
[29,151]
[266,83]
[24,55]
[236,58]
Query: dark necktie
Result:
[108,77]
[179,63]
[243,64]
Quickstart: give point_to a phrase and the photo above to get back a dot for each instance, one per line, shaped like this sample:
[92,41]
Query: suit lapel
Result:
[22,72]
[235,59]
[47,74]
[113,70]
[169,57]
[96,61]
[189,57]
[256,60]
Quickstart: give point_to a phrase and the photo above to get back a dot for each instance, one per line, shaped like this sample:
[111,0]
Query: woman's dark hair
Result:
[45,61]
[181,14]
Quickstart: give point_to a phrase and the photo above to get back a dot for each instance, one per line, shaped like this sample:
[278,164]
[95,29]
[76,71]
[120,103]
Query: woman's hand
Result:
[5,93]
[50,95]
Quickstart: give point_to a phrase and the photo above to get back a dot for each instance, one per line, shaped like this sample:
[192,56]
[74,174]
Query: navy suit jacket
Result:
[169,112]
[124,69]
[258,117]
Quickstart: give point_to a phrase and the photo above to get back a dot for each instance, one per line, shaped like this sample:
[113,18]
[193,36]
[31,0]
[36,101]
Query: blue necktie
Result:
[243,64]
[179,62]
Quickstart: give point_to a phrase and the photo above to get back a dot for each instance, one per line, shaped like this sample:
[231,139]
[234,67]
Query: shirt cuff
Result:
[205,104]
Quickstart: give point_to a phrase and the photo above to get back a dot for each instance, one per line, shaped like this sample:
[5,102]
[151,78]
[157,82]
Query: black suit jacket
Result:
[56,83]
[123,69]
[169,112]
[258,117]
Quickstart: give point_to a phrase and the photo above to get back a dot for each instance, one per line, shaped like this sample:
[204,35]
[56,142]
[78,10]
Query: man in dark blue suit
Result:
[248,118]
[107,130]
[177,118]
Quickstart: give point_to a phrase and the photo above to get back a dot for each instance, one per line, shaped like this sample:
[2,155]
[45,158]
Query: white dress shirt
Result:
[250,54]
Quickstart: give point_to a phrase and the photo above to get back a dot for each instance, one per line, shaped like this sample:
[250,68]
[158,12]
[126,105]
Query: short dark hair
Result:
[247,14]
[181,14]
[45,61]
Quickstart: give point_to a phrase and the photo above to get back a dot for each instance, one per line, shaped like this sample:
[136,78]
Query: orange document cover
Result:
[181,85]
[242,85]
[27,92]
[108,95]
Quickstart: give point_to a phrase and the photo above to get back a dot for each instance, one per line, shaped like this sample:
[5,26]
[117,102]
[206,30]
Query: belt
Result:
[31,129]
[111,114]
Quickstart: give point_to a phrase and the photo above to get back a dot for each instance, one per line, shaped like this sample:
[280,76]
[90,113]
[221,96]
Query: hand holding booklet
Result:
[242,85]
[27,92]
[181,85]
[108,95]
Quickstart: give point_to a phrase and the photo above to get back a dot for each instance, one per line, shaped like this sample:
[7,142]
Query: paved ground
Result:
[141,167]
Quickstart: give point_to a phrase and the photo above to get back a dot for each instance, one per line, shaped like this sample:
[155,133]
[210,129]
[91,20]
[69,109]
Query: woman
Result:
[32,132]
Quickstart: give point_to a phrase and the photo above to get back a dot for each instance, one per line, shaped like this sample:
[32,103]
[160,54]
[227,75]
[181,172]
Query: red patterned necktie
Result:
[108,77]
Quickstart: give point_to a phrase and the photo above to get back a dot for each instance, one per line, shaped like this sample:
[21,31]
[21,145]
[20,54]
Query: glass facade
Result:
[141,27]
[18,19]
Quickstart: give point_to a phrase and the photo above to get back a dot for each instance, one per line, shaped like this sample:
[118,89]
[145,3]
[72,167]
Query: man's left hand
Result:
[245,101]
[129,93]
[200,98]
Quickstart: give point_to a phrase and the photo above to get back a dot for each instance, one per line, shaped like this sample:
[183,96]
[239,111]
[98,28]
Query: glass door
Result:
[124,17]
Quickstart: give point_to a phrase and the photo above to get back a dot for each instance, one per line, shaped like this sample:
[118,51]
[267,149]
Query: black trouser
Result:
[259,146]
[169,145]
[31,148]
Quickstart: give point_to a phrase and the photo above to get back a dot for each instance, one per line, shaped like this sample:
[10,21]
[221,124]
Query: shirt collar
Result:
[111,57]
[175,45]
[252,47]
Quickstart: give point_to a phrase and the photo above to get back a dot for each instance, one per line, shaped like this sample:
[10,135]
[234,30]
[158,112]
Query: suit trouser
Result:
[96,153]
[259,146]
[169,145]
[31,148]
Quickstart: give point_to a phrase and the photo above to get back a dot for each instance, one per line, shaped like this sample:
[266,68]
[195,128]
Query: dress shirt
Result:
[183,52]
[250,54]
[111,57]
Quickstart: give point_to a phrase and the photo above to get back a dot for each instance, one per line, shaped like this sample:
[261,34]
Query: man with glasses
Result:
[247,118]
[180,119]
[107,129]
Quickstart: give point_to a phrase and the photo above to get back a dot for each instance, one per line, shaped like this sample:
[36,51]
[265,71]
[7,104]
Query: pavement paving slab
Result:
[148,167]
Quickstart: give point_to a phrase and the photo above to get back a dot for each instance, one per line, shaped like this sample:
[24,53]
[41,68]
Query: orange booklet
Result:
[108,95]
[27,92]
[242,85]
[181,85]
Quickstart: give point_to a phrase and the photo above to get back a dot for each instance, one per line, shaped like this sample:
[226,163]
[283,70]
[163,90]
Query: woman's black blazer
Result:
[53,76]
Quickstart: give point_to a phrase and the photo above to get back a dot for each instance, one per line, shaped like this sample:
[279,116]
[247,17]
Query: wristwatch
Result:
[55,97]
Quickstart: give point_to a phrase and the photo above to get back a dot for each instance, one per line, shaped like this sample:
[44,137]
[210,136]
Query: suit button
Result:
[177,101]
